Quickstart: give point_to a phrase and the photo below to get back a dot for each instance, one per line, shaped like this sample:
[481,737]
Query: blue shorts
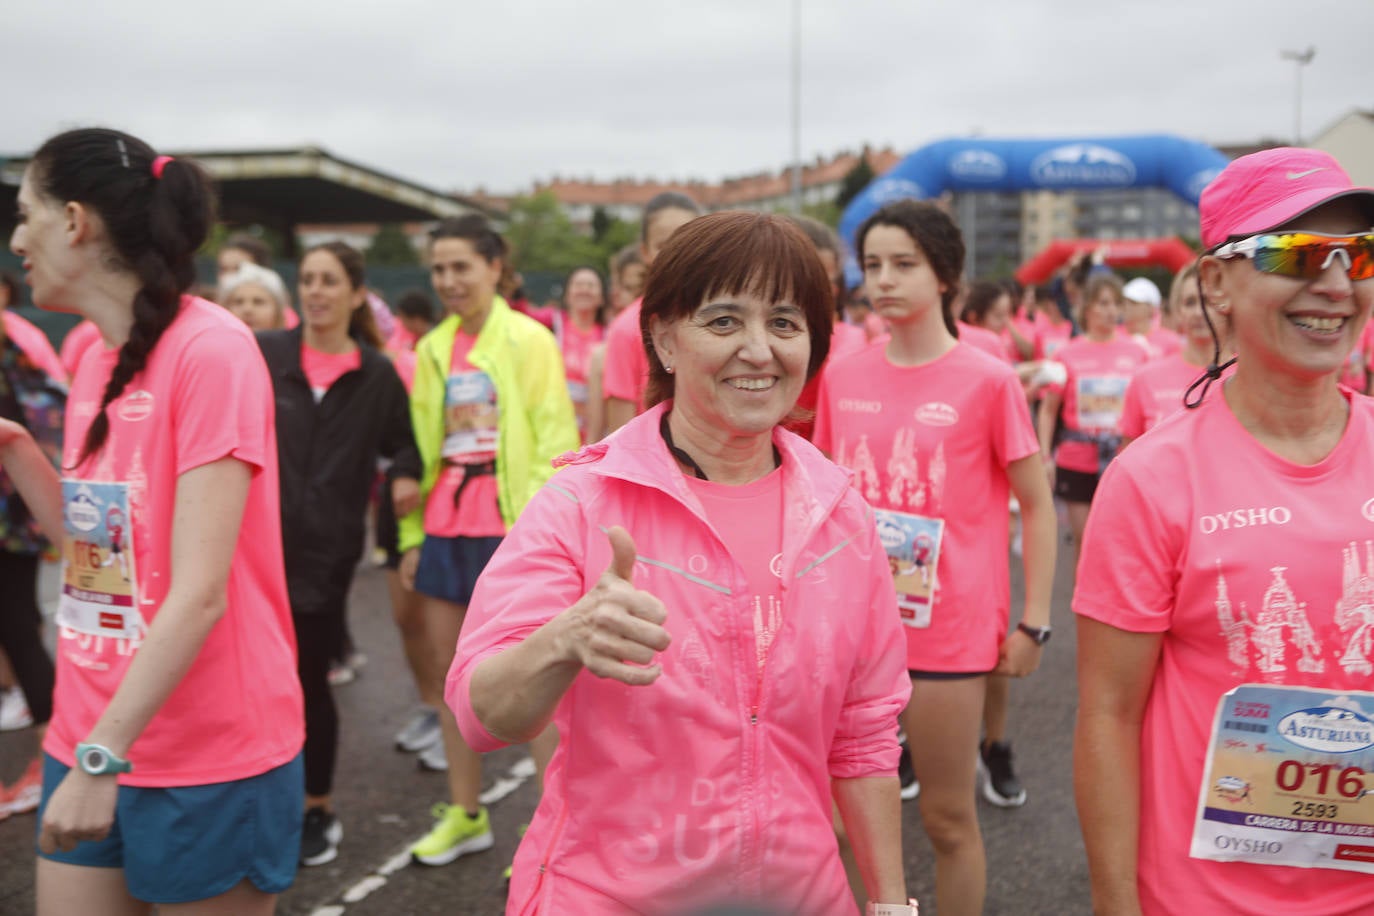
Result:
[449,567]
[196,842]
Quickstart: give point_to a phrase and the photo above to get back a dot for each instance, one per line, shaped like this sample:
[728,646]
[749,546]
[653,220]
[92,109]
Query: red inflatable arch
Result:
[1170,253]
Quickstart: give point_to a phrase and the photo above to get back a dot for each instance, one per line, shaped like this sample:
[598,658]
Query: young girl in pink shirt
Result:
[173,771]
[626,369]
[938,436]
[578,329]
[1224,594]
[1084,413]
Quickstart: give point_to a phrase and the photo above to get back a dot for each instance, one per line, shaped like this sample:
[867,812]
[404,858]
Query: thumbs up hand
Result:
[615,630]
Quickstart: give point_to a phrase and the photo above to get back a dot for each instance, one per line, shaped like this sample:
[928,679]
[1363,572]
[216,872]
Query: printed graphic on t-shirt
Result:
[1262,642]
[99,587]
[905,486]
[1101,398]
[912,543]
[1288,780]
[470,417]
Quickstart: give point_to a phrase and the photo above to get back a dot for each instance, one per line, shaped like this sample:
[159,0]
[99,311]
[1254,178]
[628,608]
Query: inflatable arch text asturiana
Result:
[1183,166]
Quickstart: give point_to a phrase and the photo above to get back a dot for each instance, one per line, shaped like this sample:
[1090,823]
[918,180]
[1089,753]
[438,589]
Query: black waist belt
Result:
[1108,444]
[470,473]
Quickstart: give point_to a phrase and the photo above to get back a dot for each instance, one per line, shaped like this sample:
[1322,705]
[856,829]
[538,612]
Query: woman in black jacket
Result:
[340,406]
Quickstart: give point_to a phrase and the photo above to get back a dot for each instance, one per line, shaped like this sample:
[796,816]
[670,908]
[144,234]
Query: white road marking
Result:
[515,777]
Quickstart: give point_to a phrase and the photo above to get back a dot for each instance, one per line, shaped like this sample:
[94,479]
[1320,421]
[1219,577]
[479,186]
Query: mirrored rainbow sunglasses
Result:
[1305,254]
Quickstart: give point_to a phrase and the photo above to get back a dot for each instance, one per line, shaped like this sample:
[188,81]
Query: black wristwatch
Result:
[1041,635]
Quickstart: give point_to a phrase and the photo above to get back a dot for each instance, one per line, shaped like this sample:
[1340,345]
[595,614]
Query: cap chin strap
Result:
[1213,371]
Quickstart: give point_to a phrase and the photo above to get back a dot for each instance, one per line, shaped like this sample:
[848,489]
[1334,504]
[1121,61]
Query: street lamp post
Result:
[1300,59]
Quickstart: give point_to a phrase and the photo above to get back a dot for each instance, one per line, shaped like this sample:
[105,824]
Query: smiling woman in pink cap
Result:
[1226,591]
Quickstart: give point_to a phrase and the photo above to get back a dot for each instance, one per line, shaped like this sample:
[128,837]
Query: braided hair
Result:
[156,211]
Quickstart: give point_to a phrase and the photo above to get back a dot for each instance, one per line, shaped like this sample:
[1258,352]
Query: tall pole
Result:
[1300,59]
[796,108]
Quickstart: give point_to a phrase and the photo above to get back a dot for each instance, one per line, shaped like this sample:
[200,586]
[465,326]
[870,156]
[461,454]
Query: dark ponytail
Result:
[937,235]
[156,211]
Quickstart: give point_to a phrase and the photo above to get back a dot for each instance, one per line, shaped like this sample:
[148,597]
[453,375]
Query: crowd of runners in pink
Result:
[726,540]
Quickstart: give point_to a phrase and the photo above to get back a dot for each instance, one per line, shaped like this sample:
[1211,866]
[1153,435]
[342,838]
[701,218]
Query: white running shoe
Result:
[421,731]
[14,711]
[433,758]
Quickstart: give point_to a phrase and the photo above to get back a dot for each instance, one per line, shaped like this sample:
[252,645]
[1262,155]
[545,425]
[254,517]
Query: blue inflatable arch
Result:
[1183,166]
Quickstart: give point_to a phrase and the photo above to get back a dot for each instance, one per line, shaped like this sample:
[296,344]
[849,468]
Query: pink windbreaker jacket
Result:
[713,783]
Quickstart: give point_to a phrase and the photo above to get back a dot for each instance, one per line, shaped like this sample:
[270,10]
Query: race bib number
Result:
[1101,400]
[99,587]
[1288,780]
[470,417]
[578,392]
[912,543]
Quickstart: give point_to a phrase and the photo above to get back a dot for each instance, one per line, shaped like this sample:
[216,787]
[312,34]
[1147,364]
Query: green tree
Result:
[601,223]
[391,248]
[854,181]
[617,235]
[544,239]
[827,211]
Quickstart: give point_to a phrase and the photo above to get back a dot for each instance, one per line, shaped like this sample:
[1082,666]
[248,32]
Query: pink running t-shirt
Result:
[1051,338]
[322,370]
[1155,391]
[1094,395]
[1163,342]
[930,445]
[845,339]
[1355,374]
[404,361]
[401,339]
[471,436]
[1255,570]
[625,374]
[205,394]
[75,343]
[748,520]
[1157,343]
[983,339]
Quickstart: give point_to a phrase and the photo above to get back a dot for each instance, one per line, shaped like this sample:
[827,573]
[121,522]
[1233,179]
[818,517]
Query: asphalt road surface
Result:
[1035,856]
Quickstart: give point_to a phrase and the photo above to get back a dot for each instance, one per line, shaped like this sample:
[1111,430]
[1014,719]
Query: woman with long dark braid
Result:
[172,770]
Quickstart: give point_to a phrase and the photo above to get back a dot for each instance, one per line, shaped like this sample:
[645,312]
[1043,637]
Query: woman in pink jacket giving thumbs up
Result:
[702,606]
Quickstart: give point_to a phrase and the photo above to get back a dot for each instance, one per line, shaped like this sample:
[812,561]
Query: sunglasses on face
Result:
[1305,254]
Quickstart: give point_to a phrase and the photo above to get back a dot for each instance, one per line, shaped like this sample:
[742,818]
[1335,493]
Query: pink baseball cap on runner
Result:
[1267,189]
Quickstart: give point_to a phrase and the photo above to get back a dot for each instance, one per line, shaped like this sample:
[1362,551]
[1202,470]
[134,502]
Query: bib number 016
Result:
[1293,776]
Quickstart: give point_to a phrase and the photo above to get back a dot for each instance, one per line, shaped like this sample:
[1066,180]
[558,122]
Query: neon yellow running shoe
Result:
[456,834]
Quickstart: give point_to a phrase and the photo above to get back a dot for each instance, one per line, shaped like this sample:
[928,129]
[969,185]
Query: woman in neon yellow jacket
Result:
[491,411]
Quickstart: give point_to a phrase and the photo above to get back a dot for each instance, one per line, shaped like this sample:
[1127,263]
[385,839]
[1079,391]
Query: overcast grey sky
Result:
[461,94]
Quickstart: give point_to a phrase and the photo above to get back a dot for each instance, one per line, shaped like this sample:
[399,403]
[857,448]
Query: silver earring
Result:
[668,369]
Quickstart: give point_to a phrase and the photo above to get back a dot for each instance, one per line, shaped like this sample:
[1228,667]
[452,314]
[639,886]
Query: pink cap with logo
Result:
[1267,189]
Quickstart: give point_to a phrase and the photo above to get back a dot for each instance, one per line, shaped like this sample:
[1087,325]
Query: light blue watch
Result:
[99,760]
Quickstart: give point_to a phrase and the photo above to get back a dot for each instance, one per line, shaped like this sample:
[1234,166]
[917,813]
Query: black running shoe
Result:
[320,837]
[1000,785]
[910,787]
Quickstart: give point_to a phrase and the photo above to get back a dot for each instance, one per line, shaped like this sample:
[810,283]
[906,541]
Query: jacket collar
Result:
[446,331]
[636,453]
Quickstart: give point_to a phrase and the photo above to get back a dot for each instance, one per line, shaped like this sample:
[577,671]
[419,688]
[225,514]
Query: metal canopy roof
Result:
[281,188]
